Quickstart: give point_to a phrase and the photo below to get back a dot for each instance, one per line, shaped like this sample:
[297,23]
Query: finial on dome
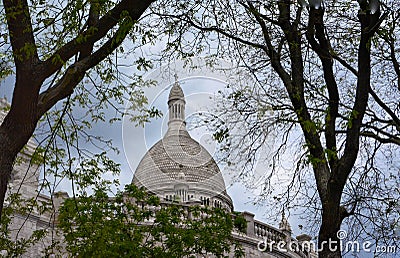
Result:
[176,105]
[176,91]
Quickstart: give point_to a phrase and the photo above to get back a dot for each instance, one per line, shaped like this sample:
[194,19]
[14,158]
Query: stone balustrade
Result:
[262,231]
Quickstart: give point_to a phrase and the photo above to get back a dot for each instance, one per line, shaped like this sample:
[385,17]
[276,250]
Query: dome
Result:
[174,156]
[178,156]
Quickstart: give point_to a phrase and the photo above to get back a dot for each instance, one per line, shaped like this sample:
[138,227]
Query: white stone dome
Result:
[177,154]
[174,154]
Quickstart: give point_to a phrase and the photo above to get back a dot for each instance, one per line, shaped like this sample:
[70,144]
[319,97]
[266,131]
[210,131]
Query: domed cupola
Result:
[176,92]
[178,168]
[176,108]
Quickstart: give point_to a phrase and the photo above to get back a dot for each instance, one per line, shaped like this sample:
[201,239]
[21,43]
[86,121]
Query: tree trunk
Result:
[6,166]
[332,215]
[17,127]
[13,137]
[328,241]
[12,141]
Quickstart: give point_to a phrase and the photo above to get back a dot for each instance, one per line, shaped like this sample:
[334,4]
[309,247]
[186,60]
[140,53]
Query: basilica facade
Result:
[177,169]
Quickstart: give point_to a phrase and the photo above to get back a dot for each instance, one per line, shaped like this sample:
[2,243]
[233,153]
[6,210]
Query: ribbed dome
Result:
[179,165]
[176,154]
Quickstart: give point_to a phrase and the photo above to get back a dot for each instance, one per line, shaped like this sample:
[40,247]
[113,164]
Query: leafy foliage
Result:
[136,224]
